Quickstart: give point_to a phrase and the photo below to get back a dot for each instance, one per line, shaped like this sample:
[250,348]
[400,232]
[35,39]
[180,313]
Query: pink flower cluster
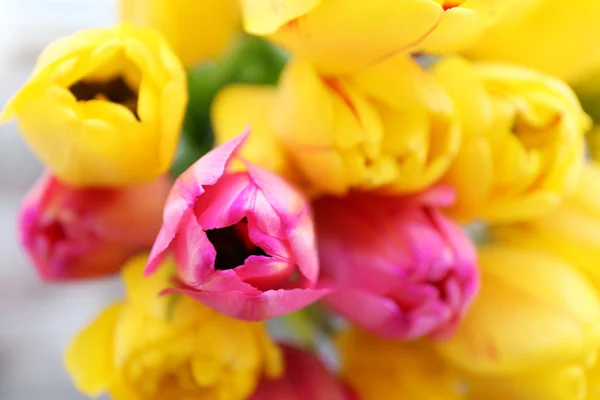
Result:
[249,245]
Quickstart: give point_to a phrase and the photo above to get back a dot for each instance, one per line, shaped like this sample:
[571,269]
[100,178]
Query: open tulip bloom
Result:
[243,242]
[352,199]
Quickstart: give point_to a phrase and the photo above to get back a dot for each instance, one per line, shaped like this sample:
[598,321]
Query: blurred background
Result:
[36,320]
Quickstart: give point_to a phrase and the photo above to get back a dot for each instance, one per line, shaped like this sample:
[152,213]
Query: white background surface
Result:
[36,321]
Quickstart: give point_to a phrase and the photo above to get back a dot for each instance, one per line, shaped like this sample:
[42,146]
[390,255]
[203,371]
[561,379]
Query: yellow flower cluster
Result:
[169,347]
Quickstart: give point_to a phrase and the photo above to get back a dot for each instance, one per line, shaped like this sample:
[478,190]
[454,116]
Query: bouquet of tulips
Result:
[325,199]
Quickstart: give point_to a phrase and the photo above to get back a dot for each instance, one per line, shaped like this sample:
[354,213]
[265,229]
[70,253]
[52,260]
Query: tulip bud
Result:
[523,140]
[104,107]
[383,369]
[72,233]
[400,269]
[243,241]
[168,347]
[304,378]
[195,29]
[340,36]
[553,37]
[390,127]
[534,311]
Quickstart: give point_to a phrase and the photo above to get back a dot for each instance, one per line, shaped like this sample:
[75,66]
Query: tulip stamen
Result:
[116,91]
[233,245]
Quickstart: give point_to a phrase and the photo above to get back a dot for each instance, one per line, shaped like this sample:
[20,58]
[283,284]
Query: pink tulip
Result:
[305,378]
[243,242]
[400,268]
[74,233]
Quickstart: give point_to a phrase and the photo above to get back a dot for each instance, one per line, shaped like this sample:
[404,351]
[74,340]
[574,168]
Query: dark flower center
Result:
[233,245]
[116,91]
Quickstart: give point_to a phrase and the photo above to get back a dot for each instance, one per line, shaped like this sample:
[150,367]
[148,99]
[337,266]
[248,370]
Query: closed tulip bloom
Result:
[341,36]
[570,231]
[73,233]
[104,106]
[390,127]
[534,312]
[243,241]
[399,268]
[523,140]
[195,29]
[553,37]
[304,378]
[168,347]
[384,369]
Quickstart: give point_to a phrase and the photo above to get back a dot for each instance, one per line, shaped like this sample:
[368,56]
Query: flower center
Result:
[233,245]
[115,90]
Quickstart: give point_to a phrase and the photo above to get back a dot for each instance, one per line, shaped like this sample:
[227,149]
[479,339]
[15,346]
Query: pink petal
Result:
[381,315]
[269,304]
[225,203]
[294,210]
[265,272]
[206,171]
[195,257]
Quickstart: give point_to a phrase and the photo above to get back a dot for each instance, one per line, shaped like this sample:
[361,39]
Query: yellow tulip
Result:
[390,127]
[523,140]
[195,29]
[104,106]
[168,347]
[571,231]
[342,36]
[383,369]
[533,312]
[552,36]
[238,107]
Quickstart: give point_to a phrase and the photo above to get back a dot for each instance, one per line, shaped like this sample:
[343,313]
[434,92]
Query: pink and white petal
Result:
[274,246]
[211,167]
[284,198]
[266,217]
[186,189]
[265,272]
[301,237]
[194,253]
[225,203]
[269,304]
[195,257]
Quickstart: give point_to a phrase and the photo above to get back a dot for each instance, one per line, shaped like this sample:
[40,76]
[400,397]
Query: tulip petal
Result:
[89,359]
[269,304]
[288,204]
[206,171]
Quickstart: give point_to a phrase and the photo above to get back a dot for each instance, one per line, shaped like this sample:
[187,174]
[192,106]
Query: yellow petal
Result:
[549,36]
[195,29]
[341,36]
[514,325]
[266,16]
[384,369]
[567,383]
[89,357]
[237,107]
